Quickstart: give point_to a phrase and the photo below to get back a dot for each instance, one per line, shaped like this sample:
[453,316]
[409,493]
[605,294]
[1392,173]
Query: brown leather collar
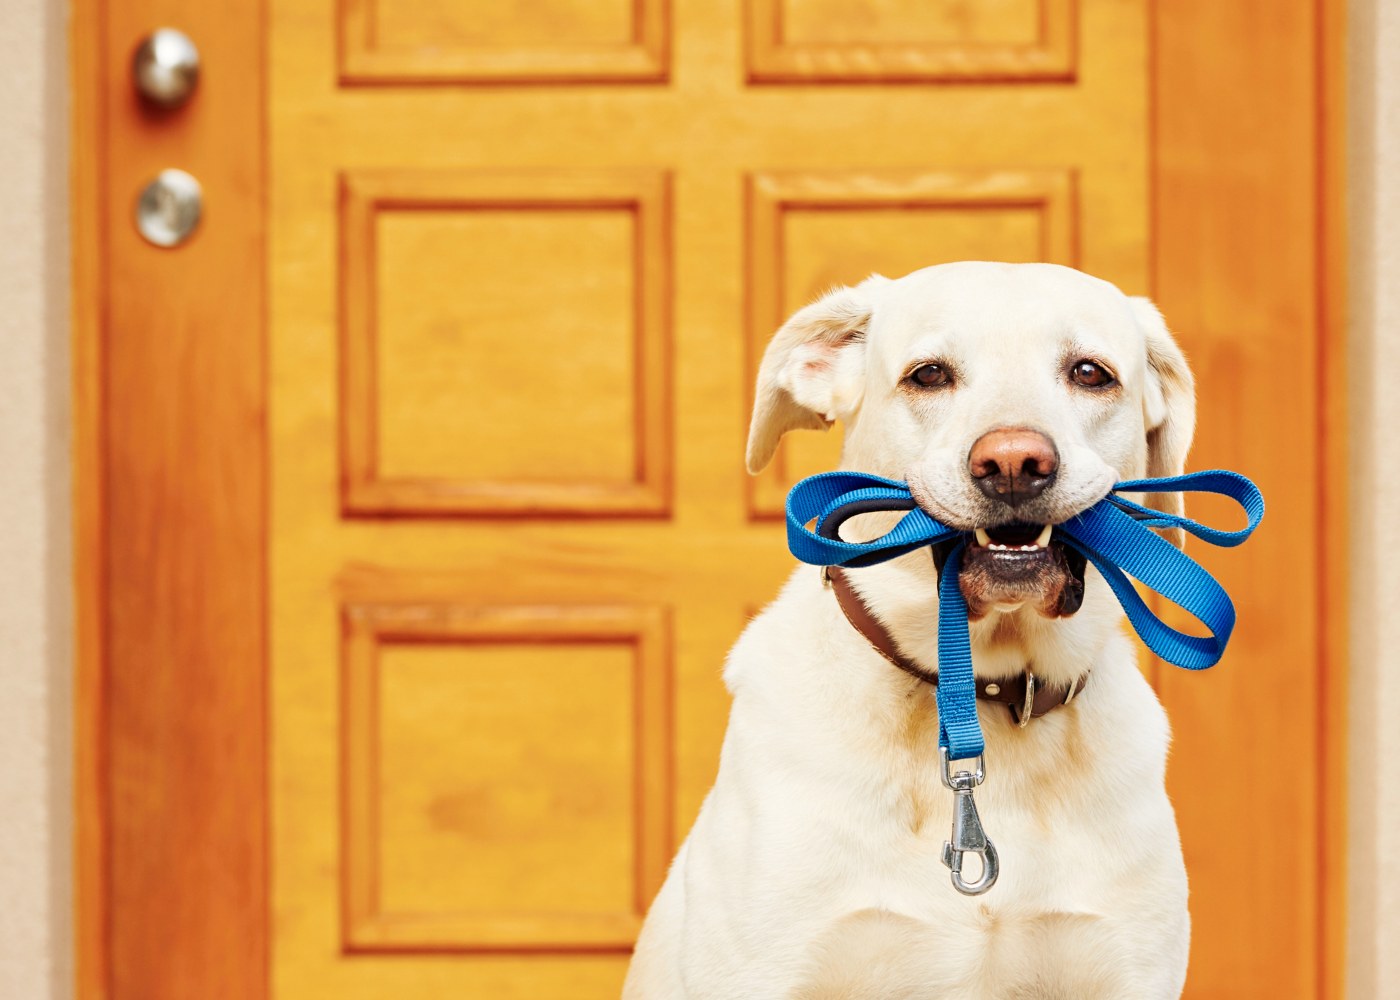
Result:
[1011,692]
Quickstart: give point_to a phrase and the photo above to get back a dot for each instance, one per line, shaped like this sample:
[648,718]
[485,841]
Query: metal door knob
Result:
[169,207]
[165,68]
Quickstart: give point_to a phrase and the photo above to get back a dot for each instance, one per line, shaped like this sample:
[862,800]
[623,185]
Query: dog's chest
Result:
[899,917]
[989,953]
[1064,888]
[1040,849]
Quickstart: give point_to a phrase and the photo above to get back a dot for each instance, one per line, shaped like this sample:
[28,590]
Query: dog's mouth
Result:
[1019,564]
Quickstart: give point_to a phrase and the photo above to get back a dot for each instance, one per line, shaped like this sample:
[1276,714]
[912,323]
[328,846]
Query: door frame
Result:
[113,726]
[170,497]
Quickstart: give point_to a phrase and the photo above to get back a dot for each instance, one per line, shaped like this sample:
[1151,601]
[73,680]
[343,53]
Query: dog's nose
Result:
[1013,464]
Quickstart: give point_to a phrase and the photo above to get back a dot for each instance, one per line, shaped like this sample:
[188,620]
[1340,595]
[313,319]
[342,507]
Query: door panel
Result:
[462,292]
[458,832]
[889,40]
[455,41]
[504,590]
[810,231]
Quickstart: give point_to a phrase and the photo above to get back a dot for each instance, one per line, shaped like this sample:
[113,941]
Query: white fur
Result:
[813,869]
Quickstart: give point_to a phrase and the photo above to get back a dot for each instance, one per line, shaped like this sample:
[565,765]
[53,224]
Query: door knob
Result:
[169,207]
[165,68]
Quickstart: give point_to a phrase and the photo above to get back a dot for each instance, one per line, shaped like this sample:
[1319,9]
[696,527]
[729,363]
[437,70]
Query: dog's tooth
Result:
[1045,533]
[983,538]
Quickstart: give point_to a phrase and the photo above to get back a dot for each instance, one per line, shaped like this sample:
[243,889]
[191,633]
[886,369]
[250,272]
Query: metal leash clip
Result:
[968,835]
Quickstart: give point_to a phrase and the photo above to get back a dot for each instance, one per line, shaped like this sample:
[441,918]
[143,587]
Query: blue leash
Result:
[1114,534]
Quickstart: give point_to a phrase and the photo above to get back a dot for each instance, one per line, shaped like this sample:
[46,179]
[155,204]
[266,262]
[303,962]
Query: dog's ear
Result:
[812,372]
[1169,408]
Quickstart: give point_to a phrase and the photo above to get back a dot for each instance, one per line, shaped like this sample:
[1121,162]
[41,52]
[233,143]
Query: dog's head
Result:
[1009,396]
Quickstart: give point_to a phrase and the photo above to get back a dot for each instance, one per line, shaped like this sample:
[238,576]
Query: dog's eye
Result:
[1090,374]
[930,376]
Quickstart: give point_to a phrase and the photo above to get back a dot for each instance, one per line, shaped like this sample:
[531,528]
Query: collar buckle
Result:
[1028,705]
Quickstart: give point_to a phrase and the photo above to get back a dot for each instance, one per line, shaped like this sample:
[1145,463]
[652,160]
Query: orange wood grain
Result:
[1248,269]
[396,618]
[775,59]
[170,414]
[642,58]
[552,491]
[1334,607]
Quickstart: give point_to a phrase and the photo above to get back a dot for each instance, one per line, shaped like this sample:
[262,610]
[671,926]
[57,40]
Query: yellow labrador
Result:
[1010,396]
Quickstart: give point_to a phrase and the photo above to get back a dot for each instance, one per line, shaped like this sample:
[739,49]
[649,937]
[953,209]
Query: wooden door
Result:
[520,261]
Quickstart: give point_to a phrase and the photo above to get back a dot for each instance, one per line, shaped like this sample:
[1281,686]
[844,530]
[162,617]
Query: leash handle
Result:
[1219,481]
[831,498]
[1110,534]
[1119,547]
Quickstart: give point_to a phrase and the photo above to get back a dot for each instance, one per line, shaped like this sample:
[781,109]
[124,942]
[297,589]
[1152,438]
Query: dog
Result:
[1010,397]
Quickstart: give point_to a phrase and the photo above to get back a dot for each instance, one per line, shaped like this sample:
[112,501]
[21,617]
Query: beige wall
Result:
[1374,771]
[35,657]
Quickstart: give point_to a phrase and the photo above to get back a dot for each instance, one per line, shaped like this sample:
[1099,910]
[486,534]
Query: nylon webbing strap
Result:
[1115,534]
